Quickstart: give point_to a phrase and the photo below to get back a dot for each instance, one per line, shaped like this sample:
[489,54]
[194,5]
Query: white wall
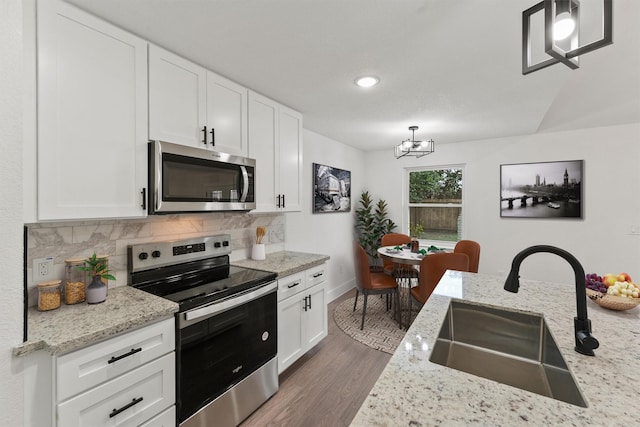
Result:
[11,250]
[328,233]
[601,240]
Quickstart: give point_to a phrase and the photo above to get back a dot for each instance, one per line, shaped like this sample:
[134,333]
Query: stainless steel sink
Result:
[509,347]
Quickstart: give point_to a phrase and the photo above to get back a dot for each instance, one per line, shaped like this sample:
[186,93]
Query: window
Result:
[435,204]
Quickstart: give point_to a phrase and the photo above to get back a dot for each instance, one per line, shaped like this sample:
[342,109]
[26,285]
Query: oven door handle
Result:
[229,302]
[245,184]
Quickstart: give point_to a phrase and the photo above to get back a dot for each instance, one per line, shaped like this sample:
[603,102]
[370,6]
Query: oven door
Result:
[221,344]
[188,179]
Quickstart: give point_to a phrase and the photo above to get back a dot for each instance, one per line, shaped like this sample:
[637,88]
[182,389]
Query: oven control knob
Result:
[216,244]
[143,256]
[225,243]
[155,254]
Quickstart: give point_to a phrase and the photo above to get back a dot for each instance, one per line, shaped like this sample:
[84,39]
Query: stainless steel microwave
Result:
[189,179]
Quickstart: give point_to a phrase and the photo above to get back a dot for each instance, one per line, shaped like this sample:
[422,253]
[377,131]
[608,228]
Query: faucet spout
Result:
[585,342]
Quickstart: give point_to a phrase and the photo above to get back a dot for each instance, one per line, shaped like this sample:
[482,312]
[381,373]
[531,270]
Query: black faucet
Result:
[585,342]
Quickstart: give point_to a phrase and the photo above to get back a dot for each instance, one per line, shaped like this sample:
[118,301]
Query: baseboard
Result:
[337,292]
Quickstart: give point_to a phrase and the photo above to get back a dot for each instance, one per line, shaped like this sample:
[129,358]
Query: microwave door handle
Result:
[245,186]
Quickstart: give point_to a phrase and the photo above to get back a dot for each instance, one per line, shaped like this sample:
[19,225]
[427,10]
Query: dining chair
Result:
[472,249]
[370,283]
[432,268]
[394,269]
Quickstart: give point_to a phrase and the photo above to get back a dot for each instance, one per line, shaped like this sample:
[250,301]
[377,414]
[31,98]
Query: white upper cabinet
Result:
[275,141]
[177,99]
[192,106]
[227,115]
[92,114]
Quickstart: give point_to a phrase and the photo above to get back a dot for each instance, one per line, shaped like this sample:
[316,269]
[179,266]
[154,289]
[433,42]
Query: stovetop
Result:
[191,272]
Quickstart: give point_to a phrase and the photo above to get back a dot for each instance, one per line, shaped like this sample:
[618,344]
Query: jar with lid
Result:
[74,286]
[49,295]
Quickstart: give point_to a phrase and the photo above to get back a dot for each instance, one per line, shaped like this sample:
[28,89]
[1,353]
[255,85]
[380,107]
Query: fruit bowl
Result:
[612,302]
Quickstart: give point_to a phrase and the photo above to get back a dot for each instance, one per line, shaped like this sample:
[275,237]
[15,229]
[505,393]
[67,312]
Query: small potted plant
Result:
[415,231]
[98,268]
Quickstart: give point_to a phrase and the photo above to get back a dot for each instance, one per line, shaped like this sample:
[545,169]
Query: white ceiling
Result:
[453,68]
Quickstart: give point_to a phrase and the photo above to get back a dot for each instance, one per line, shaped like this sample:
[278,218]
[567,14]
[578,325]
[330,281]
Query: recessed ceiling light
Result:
[367,81]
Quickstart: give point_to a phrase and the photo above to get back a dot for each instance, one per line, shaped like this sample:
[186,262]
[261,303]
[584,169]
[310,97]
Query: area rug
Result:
[380,330]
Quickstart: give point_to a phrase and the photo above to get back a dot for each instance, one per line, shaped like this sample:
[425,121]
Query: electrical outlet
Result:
[43,269]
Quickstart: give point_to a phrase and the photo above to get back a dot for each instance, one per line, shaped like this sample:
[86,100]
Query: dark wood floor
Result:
[326,386]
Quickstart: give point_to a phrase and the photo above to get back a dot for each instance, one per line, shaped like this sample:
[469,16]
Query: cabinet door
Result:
[316,316]
[177,99]
[290,158]
[92,109]
[226,115]
[291,344]
[263,134]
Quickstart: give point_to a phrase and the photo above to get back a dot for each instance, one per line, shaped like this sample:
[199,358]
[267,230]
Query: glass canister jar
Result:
[49,295]
[74,286]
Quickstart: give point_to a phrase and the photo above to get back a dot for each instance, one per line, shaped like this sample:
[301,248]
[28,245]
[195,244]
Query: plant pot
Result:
[96,290]
[258,251]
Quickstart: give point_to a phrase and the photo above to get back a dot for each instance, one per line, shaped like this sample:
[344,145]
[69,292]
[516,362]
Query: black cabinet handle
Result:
[204,130]
[293,285]
[317,275]
[134,401]
[278,201]
[144,199]
[309,302]
[283,201]
[122,356]
[213,136]
[305,304]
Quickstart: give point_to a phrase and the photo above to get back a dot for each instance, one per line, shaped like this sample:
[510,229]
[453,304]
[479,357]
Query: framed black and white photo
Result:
[331,189]
[542,190]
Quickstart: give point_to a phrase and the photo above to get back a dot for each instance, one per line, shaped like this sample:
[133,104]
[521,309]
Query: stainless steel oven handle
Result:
[230,302]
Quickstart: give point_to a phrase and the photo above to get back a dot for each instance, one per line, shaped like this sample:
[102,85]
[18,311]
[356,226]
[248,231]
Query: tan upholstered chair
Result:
[472,249]
[432,268]
[369,282]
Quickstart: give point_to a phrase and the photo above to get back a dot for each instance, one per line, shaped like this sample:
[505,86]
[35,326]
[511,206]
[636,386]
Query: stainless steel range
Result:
[226,327]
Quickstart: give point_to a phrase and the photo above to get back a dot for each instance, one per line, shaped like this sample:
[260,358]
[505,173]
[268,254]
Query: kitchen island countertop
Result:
[284,263]
[414,391]
[72,327]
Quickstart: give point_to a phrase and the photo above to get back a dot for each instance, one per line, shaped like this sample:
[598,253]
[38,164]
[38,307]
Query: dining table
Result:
[405,271]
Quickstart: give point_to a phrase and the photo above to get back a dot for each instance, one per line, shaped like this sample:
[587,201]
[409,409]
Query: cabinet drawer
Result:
[316,275]
[88,367]
[165,419]
[128,400]
[291,285]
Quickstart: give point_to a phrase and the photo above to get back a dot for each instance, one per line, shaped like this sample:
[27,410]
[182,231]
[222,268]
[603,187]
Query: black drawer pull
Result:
[317,275]
[132,352]
[293,285]
[134,401]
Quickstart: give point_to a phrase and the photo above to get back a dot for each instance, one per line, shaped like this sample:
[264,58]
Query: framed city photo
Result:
[331,189]
[542,190]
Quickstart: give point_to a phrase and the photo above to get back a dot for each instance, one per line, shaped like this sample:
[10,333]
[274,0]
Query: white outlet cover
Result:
[43,269]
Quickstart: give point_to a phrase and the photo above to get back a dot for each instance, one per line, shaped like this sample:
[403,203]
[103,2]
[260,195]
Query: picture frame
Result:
[331,189]
[551,189]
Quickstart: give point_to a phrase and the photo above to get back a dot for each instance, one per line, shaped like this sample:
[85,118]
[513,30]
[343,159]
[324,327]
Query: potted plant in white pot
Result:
[98,268]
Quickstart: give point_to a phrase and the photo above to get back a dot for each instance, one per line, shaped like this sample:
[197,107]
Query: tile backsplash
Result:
[64,240]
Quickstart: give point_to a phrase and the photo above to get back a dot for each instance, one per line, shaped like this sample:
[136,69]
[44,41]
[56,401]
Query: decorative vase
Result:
[258,251]
[96,290]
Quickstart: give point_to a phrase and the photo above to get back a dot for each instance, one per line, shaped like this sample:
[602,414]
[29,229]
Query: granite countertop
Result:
[71,327]
[414,391]
[284,263]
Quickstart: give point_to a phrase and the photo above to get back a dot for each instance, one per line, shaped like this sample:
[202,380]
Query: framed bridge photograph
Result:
[542,190]
[331,189]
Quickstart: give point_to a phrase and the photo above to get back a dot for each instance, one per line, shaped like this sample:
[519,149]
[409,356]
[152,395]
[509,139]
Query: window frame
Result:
[406,205]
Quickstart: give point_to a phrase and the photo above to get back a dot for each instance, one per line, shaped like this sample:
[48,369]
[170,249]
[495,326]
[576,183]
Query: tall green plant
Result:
[372,223]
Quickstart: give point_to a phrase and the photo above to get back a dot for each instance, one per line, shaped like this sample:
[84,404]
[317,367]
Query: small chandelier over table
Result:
[411,147]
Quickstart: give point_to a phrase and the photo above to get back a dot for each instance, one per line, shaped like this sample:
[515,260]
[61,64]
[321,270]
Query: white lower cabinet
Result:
[302,314]
[127,380]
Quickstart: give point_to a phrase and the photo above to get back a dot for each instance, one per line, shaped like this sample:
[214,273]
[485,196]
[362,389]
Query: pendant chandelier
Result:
[411,147]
